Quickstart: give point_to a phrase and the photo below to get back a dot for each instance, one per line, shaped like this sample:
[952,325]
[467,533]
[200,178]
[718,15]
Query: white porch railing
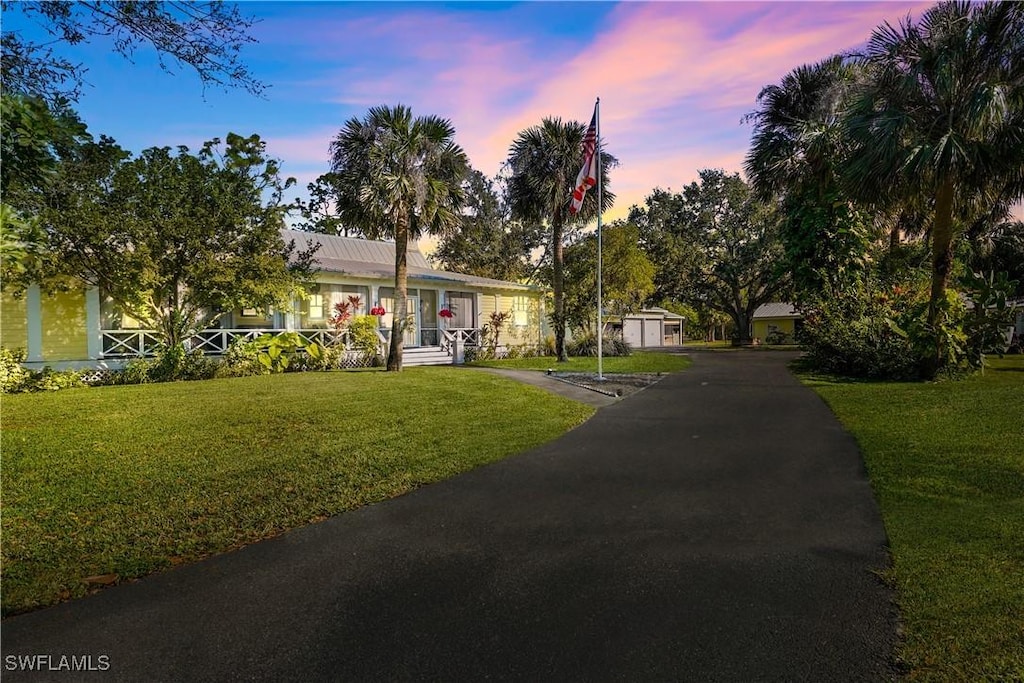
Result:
[120,343]
[213,342]
[465,336]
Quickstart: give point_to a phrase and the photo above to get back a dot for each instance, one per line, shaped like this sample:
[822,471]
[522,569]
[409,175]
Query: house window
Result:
[520,311]
[318,308]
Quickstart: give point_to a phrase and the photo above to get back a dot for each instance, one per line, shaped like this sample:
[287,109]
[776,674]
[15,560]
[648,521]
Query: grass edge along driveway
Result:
[111,483]
[946,461]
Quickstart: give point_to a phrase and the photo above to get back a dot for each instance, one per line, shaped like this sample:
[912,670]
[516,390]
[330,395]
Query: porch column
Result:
[34,323]
[290,318]
[93,324]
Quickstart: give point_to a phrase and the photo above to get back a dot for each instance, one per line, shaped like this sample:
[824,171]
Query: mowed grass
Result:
[134,479]
[946,461]
[638,362]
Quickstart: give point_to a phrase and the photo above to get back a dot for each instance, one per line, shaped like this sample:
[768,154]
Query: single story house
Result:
[776,323]
[83,328]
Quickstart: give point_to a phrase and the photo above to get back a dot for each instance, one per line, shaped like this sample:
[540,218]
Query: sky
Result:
[674,78]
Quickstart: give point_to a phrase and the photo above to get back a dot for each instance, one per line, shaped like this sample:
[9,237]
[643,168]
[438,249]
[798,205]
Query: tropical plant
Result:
[400,177]
[941,117]
[492,331]
[277,351]
[544,161]
[797,151]
[343,312]
[586,345]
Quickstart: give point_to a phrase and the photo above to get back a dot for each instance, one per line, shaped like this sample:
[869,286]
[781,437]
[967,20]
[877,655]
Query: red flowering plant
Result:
[343,312]
[446,313]
[378,311]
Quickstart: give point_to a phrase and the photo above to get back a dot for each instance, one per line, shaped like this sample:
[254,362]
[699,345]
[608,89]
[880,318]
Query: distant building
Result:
[776,323]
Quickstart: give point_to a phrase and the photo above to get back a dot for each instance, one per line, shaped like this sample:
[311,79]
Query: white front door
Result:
[412,329]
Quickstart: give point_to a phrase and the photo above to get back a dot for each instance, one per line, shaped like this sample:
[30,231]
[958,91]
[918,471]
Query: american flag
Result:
[587,176]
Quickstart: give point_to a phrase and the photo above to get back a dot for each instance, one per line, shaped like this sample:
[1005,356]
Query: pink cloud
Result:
[674,78]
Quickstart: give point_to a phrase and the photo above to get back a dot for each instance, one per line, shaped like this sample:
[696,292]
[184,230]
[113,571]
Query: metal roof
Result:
[776,310]
[376,260]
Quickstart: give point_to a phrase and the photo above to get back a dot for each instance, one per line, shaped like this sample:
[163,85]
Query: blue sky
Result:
[675,78]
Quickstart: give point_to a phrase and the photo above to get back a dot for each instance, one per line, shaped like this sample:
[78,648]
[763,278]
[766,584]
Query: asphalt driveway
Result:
[717,526]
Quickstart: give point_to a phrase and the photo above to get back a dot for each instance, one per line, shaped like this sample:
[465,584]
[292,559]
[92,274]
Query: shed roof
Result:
[376,260]
[776,310]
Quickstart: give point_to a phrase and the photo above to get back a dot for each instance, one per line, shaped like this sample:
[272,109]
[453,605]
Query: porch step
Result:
[425,355]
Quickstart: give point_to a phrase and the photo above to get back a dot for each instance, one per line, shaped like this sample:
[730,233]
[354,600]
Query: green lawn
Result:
[128,480]
[641,361]
[946,461]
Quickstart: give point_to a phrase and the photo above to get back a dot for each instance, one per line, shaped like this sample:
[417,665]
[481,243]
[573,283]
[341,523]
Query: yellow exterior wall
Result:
[486,308]
[13,321]
[64,330]
[785,325]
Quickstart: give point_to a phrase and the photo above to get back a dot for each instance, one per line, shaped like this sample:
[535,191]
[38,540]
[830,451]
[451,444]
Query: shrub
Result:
[859,335]
[241,359]
[317,359]
[135,371]
[174,363]
[363,338]
[586,345]
[15,378]
[277,351]
[13,375]
[54,380]
[547,349]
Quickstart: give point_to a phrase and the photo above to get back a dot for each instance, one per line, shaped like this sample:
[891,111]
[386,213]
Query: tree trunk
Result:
[558,284]
[741,335]
[942,263]
[740,318]
[400,314]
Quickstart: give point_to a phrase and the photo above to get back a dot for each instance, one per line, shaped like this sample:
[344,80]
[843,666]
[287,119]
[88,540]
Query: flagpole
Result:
[600,324]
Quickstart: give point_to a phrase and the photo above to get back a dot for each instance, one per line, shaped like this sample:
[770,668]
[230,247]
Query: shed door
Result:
[632,332]
[652,333]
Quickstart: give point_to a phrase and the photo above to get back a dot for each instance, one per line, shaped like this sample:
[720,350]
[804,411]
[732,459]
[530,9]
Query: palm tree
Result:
[797,137]
[398,177]
[796,152]
[942,117]
[544,161]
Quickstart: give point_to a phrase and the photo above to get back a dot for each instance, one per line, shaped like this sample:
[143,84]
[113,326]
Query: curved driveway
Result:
[716,526]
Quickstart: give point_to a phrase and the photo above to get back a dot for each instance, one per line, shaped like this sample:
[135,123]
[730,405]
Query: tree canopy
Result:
[627,275]
[722,243]
[175,239]
[488,241]
[204,36]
